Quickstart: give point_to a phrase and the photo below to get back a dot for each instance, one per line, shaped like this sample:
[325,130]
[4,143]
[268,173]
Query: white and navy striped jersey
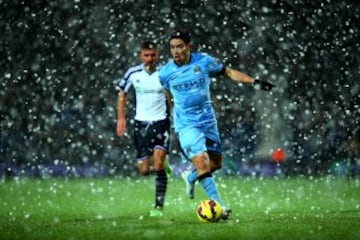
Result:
[150,96]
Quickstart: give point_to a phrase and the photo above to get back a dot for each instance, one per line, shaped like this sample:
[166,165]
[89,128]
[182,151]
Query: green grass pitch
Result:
[117,208]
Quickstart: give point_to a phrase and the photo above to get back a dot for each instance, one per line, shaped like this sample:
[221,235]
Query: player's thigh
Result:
[212,136]
[215,160]
[192,142]
[160,135]
[213,146]
[142,141]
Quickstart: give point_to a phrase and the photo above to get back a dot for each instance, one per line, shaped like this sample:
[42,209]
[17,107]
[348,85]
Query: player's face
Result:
[180,51]
[150,58]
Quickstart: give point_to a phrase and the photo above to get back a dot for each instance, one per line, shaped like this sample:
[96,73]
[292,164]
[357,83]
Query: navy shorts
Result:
[149,136]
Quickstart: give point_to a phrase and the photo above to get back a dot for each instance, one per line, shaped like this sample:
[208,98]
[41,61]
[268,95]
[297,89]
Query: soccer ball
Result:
[208,211]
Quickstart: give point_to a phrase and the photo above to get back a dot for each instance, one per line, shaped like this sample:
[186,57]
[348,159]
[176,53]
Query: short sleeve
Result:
[214,65]
[121,84]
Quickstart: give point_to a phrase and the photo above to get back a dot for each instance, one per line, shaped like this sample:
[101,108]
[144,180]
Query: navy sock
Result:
[160,188]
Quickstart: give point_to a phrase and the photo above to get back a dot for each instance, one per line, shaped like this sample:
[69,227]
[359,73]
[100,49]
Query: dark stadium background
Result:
[60,62]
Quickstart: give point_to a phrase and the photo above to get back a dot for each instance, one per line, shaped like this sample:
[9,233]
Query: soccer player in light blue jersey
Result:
[186,78]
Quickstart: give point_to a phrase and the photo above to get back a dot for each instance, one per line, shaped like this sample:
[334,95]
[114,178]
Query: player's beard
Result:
[150,67]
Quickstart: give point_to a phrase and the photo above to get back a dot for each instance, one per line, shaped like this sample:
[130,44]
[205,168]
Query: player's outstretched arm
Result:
[241,77]
[238,76]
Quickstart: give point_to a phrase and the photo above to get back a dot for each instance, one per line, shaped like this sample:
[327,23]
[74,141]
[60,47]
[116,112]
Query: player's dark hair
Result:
[181,34]
[148,45]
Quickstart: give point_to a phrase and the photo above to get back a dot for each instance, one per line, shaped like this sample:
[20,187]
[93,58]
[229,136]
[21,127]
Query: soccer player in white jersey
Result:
[186,78]
[152,125]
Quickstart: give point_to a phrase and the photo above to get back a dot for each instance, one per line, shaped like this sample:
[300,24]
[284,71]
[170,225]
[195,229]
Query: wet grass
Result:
[270,208]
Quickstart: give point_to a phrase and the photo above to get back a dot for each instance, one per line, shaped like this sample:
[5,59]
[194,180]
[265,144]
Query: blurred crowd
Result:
[61,61]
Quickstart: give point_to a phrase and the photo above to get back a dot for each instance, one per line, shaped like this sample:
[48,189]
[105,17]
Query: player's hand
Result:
[264,85]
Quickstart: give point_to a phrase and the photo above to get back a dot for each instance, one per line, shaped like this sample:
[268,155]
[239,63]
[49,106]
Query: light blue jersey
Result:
[194,116]
[190,87]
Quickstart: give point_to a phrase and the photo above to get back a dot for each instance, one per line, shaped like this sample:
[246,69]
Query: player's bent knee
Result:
[215,166]
[144,172]
[201,163]
[215,161]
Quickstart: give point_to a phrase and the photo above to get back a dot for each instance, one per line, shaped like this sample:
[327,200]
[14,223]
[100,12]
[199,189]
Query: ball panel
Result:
[208,211]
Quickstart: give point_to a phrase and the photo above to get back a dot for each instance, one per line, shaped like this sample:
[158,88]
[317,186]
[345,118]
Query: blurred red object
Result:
[278,155]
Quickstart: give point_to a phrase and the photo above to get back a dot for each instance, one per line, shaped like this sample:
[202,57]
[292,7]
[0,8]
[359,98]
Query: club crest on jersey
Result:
[137,89]
[197,69]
